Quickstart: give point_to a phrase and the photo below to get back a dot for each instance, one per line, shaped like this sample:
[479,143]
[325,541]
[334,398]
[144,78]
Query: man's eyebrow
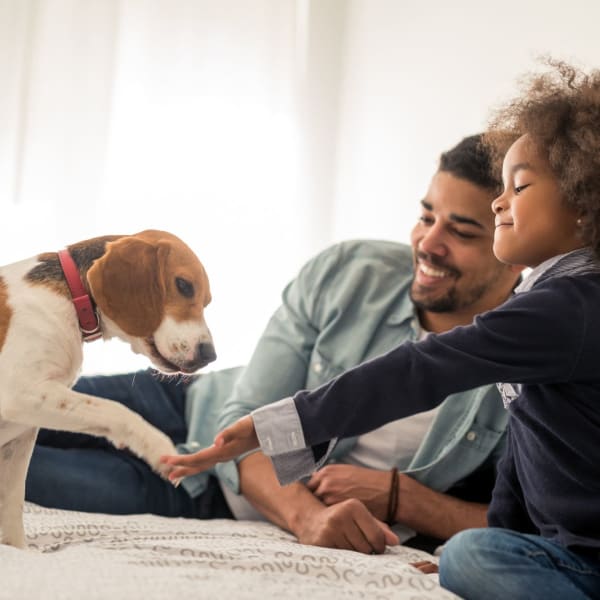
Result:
[454,217]
[465,220]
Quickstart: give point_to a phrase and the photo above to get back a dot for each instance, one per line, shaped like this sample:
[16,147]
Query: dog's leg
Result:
[14,460]
[55,406]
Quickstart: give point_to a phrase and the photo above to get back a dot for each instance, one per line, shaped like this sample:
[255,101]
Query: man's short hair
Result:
[470,160]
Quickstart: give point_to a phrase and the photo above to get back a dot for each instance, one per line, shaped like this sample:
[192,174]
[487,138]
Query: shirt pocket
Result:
[321,369]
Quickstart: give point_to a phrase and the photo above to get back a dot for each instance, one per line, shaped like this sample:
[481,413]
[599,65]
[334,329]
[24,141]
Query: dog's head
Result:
[151,291]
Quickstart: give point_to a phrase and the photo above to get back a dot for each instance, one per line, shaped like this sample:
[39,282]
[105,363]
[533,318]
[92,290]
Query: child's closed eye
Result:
[520,188]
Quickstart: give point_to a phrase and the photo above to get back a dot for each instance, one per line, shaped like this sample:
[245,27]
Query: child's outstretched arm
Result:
[229,443]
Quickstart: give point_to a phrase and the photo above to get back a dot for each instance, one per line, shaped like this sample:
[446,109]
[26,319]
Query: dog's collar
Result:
[88,318]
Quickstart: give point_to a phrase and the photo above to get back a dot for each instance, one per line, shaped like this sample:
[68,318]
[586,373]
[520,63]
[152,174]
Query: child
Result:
[543,344]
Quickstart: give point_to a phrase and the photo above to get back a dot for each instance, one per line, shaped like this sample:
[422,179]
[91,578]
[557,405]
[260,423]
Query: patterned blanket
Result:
[82,556]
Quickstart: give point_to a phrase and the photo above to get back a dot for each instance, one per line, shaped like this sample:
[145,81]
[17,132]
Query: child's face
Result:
[532,221]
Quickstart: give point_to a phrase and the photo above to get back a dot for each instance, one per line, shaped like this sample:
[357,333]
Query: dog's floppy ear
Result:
[128,287]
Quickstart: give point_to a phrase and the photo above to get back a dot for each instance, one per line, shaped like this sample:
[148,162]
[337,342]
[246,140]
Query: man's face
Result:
[455,269]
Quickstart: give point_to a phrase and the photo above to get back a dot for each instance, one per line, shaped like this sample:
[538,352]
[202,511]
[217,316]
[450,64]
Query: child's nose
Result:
[498,204]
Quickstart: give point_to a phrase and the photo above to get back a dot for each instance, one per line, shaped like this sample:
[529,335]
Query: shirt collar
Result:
[575,262]
[535,274]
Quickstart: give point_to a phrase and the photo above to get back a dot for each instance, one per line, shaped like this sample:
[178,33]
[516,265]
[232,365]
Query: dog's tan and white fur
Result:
[150,290]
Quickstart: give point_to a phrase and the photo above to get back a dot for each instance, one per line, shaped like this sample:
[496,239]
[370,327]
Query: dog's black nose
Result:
[205,353]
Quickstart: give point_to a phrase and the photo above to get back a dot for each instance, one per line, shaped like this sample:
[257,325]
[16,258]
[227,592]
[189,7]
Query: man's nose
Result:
[434,241]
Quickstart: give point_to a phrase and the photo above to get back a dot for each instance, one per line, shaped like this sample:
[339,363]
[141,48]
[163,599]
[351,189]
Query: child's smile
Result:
[533,223]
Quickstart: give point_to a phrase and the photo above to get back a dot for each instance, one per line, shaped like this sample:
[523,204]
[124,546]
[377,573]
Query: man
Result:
[352,302]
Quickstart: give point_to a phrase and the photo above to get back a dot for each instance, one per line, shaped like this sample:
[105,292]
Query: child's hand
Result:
[229,443]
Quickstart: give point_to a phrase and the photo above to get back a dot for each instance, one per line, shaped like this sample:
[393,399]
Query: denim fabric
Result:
[500,564]
[82,472]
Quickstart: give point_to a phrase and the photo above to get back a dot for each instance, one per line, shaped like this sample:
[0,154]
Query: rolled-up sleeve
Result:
[280,435]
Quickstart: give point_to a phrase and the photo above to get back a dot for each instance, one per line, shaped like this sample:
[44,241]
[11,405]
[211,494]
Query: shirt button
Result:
[318,367]
[471,436]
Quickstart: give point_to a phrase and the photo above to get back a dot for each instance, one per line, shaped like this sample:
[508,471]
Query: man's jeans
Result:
[486,564]
[82,472]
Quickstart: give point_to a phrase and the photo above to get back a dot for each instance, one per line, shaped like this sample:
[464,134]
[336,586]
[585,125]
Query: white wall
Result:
[418,76]
[214,119]
[286,124]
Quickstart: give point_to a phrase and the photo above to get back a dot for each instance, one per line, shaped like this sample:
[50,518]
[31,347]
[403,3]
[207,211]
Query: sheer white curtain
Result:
[214,119]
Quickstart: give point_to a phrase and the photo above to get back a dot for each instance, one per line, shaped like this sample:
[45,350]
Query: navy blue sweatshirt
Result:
[546,342]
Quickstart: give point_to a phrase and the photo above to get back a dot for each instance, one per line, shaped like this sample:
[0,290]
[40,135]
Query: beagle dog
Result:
[148,289]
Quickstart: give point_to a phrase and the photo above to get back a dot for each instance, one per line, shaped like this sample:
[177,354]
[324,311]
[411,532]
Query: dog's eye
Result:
[184,287]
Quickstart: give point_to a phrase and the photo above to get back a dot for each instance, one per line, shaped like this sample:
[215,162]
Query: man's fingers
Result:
[391,539]
[314,483]
[371,531]
[367,534]
[366,537]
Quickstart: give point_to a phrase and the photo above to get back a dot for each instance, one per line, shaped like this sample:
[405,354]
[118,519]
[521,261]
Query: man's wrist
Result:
[302,509]
[403,507]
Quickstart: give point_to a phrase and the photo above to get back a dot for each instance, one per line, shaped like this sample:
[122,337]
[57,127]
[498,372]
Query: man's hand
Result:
[348,526]
[335,483]
[229,443]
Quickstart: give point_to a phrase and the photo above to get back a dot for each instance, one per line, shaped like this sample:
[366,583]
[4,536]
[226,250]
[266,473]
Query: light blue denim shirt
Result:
[348,304]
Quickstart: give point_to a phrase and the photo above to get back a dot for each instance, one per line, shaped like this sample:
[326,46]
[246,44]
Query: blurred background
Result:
[259,131]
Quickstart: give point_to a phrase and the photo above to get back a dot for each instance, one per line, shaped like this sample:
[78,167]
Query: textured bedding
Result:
[77,556]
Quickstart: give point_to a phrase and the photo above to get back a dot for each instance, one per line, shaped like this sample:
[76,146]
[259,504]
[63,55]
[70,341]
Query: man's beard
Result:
[451,301]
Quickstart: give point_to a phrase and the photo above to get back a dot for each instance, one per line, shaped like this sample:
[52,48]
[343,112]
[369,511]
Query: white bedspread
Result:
[81,556]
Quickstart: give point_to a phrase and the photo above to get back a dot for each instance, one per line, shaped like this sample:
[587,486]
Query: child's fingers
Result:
[199,461]
[179,473]
[229,443]
[178,459]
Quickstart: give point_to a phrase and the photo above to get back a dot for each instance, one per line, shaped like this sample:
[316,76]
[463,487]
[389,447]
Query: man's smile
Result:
[428,274]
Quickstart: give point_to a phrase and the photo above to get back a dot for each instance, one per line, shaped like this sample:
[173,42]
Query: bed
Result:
[74,555]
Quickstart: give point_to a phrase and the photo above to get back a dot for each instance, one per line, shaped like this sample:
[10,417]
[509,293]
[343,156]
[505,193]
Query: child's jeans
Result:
[498,563]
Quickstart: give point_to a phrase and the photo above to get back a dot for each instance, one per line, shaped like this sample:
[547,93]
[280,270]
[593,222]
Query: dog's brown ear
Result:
[128,287]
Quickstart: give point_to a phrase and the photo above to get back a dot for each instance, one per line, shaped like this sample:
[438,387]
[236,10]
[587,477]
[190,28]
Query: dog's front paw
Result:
[161,445]
[149,444]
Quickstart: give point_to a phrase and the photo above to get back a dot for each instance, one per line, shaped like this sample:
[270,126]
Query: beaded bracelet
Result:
[393,497]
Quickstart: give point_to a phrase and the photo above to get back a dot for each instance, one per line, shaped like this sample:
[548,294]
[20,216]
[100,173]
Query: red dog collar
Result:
[88,319]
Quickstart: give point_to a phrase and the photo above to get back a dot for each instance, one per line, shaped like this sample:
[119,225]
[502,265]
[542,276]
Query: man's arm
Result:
[294,507]
[335,519]
[436,514]
[426,511]
[297,509]
[347,525]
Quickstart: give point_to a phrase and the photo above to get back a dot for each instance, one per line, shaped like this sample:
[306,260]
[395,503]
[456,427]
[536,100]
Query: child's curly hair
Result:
[560,111]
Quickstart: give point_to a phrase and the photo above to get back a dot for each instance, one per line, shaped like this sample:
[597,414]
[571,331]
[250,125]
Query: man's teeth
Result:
[431,272]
